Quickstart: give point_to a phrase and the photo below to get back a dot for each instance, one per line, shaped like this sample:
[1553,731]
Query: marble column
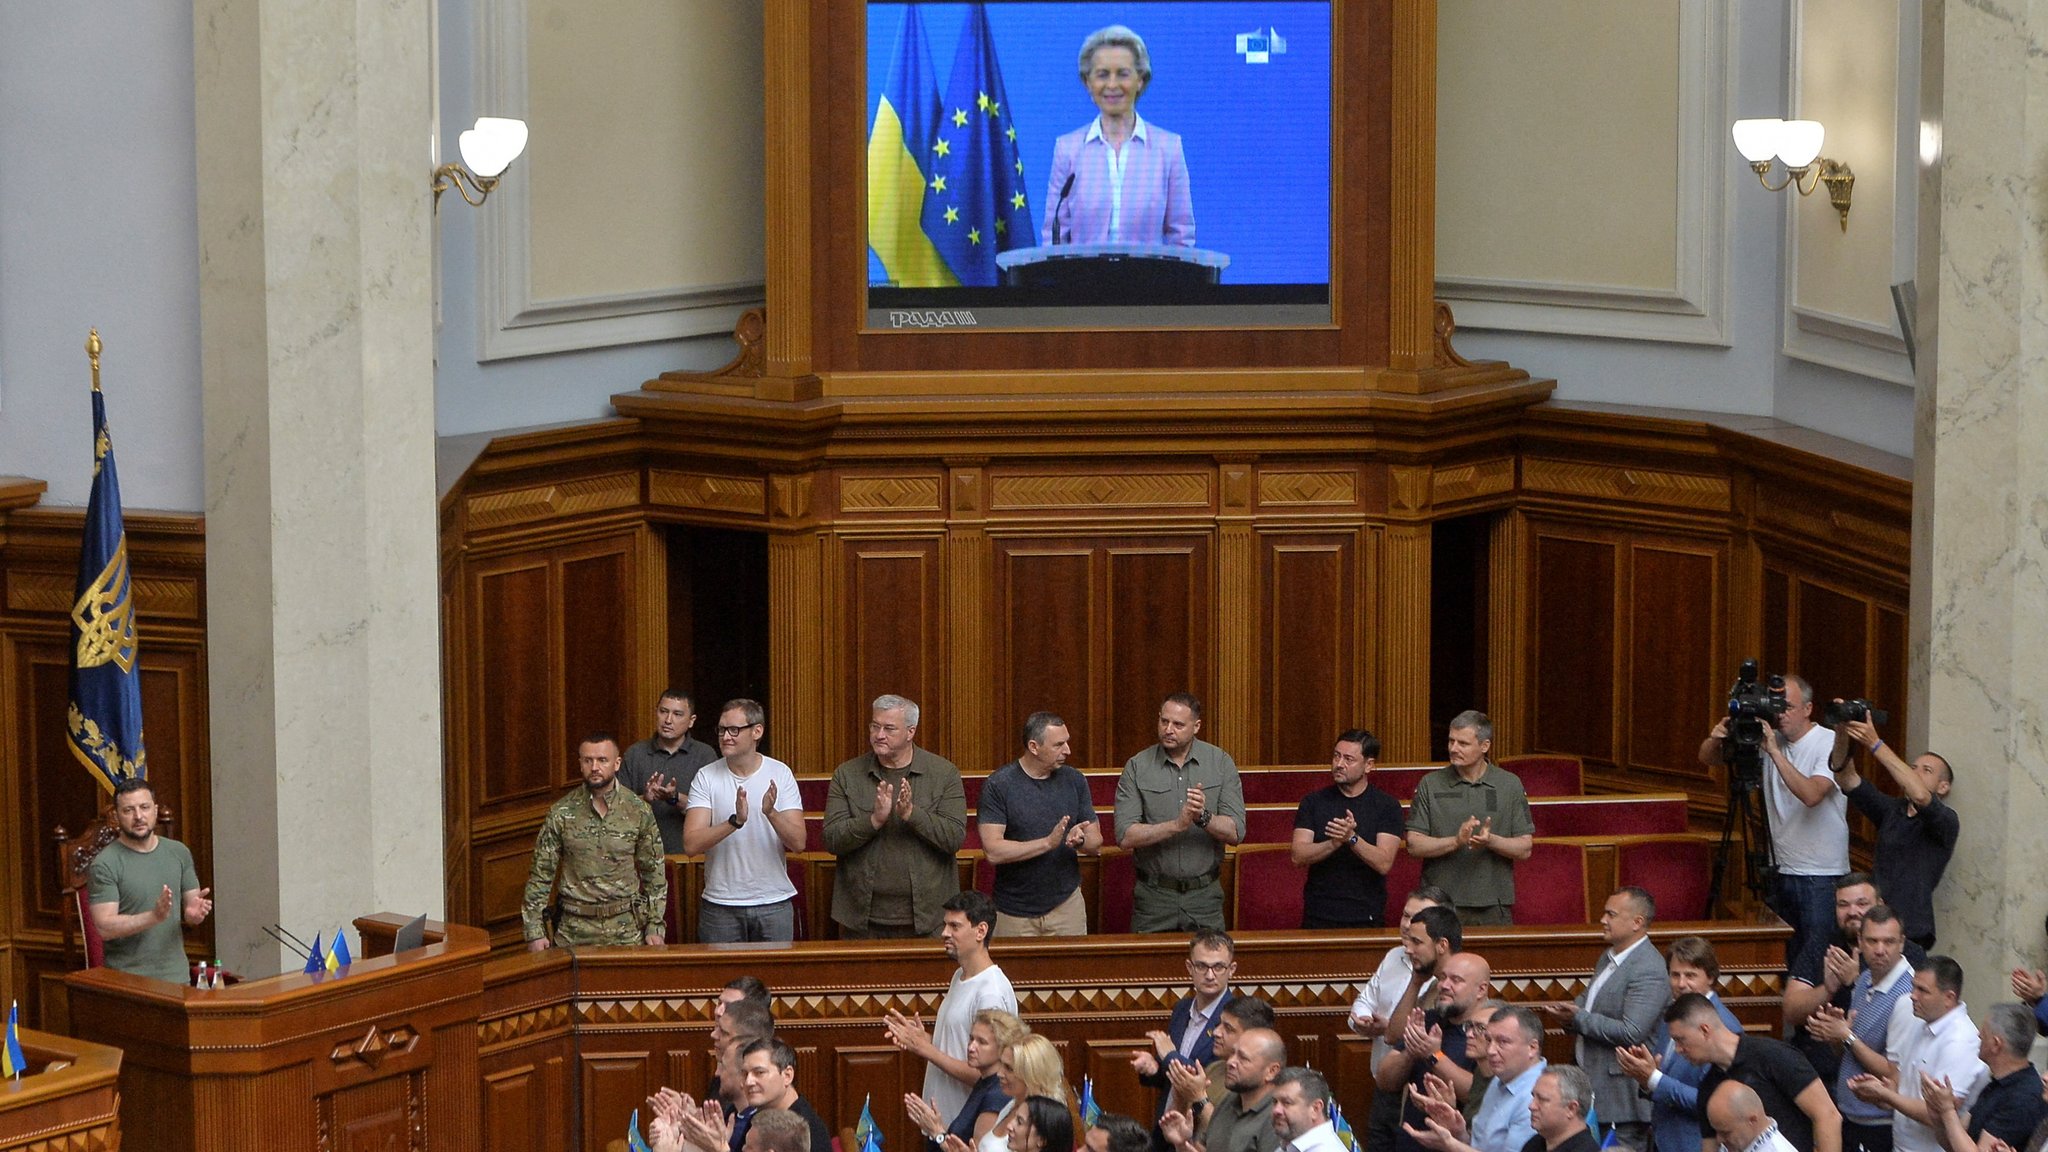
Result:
[317,351]
[1980,485]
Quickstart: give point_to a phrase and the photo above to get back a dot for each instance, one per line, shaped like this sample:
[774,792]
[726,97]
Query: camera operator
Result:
[1916,830]
[1808,814]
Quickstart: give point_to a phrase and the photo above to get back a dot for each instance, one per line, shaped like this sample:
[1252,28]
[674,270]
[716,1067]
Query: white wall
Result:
[98,228]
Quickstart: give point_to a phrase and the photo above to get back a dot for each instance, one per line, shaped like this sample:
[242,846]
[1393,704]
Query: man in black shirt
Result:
[1792,1093]
[1916,830]
[1036,819]
[1434,1040]
[2010,1106]
[770,1070]
[1559,1105]
[1347,836]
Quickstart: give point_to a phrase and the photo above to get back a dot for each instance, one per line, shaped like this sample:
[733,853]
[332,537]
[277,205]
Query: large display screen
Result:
[1176,175]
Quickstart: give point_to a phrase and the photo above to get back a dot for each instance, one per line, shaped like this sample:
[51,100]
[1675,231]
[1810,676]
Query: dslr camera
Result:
[1837,713]
[1751,705]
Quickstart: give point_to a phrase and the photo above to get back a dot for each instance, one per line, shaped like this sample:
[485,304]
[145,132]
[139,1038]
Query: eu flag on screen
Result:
[976,206]
[900,151]
[105,719]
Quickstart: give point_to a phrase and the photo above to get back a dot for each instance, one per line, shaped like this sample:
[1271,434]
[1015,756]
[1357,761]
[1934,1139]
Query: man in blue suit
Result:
[1670,1080]
[1212,961]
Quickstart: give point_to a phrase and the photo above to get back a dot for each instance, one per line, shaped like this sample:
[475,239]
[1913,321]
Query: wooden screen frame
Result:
[1383,173]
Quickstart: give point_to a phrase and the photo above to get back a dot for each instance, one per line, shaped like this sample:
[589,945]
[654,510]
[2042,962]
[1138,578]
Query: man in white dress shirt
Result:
[1301,1112]
[1370,1012]
[1942,1044]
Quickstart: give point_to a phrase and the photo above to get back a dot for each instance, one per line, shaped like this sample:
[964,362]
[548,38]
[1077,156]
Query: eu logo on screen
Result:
[1260,45]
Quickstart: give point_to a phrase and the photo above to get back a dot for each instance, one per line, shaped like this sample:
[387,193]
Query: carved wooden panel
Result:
[1472,480]
[515,654]
[1574,652]
[708,492]
[1048,655]
[614,1083]
[894,622]
[889,494]
[1308,647]
[1308,488]
[499,883]
[1014,492]
[578,497]
[1635,485]
[1675,660]
[599,651]
[515,1116]
[1159,624]
[1847,637]
[1831,636]
[169,597]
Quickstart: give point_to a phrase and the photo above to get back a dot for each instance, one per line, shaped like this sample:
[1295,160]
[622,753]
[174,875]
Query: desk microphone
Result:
[1065,189]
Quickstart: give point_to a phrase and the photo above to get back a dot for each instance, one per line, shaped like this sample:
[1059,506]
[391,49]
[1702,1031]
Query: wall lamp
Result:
[1796,145]
[487,150]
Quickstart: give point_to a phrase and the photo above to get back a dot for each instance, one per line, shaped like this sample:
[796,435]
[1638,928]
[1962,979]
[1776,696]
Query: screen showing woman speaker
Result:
[1051,164]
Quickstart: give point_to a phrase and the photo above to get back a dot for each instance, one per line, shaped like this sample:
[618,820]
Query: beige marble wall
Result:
[1980,532]
[317,361]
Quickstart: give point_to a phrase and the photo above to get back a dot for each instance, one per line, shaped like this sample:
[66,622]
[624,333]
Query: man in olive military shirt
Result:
[1177,804]
[894,817]
[602,841]
[1469,823]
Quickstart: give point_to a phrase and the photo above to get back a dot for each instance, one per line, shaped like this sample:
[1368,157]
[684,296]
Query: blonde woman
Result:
[1030,1067]
[994,1032]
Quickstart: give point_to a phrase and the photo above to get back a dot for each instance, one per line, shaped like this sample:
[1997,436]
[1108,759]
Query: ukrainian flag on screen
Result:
[976,205]
[900,150]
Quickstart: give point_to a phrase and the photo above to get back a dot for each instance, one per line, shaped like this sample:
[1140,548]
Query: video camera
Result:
[1843,711]
[1751,705]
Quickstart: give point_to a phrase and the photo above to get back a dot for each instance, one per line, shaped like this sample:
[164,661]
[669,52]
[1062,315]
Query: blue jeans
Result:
[727,924]
[1807,903]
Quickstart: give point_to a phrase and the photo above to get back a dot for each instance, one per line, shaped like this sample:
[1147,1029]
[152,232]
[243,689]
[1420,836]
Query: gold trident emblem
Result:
[105,616]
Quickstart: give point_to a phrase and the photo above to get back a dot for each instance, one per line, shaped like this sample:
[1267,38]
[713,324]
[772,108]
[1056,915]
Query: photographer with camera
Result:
[1916,830]
[1806,813]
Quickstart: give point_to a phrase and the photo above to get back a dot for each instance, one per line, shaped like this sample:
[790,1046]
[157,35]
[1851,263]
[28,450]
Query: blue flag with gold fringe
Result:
[105,721]
[975,204]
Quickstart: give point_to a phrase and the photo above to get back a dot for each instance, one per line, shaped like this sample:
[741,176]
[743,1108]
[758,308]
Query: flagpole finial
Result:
[92,352]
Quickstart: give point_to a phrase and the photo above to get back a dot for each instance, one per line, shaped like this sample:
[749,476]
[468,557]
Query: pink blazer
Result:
[1157,208]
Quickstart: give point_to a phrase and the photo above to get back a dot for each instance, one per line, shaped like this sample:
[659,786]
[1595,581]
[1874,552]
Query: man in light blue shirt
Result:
[1514,1046]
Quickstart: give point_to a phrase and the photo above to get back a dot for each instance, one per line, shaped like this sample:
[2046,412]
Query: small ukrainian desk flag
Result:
[105,720]
[867,1137]
[12,1062]
[1091,1112]
[635,1142]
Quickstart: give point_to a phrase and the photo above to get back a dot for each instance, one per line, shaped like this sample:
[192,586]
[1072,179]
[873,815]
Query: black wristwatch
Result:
[1202,819]
[734,820]
[1353,842]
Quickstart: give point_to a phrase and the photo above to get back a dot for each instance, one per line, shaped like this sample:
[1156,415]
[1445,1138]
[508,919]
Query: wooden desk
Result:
[77,1107]
[382,1055]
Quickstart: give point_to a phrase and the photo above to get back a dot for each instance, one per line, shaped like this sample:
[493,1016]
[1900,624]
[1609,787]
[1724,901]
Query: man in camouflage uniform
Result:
[603,841]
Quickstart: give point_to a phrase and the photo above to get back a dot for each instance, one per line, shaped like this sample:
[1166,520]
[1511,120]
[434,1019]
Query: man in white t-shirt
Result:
[745,815]
[1376,1002]
[1809,816]
[977,984]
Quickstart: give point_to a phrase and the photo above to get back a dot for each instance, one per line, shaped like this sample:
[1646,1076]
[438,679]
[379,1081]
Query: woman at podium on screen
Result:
[1118,179]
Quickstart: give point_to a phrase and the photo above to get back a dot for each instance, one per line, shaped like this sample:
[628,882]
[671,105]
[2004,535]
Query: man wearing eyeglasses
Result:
[745,815]
[894,817]
[1212,961]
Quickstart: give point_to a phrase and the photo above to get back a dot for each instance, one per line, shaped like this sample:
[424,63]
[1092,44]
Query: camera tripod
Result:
[1746,823]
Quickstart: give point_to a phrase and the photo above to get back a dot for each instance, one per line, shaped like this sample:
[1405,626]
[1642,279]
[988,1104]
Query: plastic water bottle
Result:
[219,980]
[200,981]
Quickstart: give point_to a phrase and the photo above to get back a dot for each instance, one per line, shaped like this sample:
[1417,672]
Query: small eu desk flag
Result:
[866,1137]
[316,960]
[1091,1112]
[105,719]
[12,1062]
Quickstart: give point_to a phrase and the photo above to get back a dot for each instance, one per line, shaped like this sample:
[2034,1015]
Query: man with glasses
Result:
[894,816]
[1189,1038]
[745,816]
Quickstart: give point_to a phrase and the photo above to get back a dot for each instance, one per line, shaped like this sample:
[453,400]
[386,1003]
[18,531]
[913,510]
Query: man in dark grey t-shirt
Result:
[1036,819]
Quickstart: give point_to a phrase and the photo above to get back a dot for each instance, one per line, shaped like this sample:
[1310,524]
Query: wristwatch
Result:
[1353,842]
[734,820]
[1202,819]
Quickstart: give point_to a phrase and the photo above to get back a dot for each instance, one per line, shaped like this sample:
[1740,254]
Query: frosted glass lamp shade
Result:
[1799,142]
[491,146]
[1757,140]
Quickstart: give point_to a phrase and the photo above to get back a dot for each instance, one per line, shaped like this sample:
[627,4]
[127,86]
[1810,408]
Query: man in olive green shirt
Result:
[1469,823]
[1177,804]
[894,817]
[143,887]
[602,842]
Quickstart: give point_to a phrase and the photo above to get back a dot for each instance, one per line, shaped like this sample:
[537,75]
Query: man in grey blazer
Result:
[1619,1009]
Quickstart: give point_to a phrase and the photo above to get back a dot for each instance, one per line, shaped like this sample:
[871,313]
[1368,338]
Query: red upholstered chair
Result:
[1102,789]
[1676,871]
[1639,815]
[1543,774]
[1403,878]
[1270,823]
[973,839]
[972,786]
[1550,886]
[813,791]
[1399,782]
[1119,877]
[1282,785]
[75,855]
[984,875]
[1268,888]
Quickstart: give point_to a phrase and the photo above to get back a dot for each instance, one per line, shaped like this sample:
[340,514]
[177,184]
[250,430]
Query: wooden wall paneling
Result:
[894,623]
[1888,672]
[803,651]
[1674,656]
[1047,653]
[1239,659]
[976,734]
[1831,644]
[877,1074]
[514,723]
[1778,621]
[1574,661]
[614,1083]
[1404,643]
[1156,596]
[1307,629]
[600,622]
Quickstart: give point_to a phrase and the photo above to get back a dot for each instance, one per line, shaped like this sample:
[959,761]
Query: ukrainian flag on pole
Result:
[12,1062]
[105,720]
[900,170]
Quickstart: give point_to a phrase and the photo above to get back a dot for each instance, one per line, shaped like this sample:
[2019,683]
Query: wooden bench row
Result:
[1565,882]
